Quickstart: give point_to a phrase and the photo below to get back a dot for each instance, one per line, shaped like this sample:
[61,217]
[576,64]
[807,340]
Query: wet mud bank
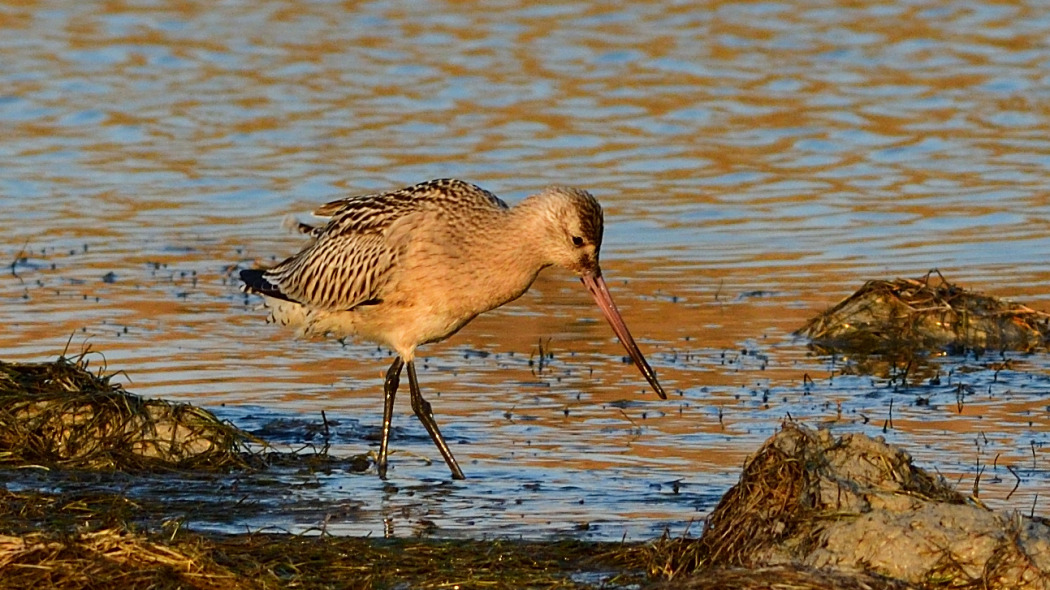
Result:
[811,510]
[854,512]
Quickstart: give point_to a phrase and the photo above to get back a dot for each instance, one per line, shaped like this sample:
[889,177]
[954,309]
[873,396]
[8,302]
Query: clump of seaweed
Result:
[854,506]
[926,315]
[59,414]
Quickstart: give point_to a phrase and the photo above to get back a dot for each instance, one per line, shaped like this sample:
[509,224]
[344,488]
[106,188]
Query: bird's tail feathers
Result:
[255,281]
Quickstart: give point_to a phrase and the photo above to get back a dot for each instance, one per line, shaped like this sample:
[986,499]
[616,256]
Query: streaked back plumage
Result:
[351,256]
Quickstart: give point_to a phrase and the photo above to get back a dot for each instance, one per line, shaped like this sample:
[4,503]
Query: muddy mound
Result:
[59,414]
[857,510]
[929,314]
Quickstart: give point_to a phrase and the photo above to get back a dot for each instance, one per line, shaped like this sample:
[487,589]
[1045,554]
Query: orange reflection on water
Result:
[757,163]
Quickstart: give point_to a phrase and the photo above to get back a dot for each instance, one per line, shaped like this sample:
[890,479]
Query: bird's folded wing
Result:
[337,272]
[354,253]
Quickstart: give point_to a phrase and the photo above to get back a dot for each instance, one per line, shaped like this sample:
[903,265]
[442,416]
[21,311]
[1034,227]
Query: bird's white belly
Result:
[310,321]
[399,328]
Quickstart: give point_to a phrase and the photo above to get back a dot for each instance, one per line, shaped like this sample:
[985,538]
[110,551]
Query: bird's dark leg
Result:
[426,415]
[393,379]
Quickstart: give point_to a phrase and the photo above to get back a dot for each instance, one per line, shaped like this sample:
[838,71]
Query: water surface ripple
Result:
[757,162]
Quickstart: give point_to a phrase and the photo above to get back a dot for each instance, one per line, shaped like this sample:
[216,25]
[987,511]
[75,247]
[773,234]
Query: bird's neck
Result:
[514,241]
[527,231]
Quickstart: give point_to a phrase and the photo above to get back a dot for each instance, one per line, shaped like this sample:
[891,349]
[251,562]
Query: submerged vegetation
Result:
[111,554]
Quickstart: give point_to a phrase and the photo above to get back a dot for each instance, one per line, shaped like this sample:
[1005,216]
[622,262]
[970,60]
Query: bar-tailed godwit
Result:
[413,266]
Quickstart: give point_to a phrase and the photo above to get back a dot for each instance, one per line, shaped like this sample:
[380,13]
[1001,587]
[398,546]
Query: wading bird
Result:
[413,266]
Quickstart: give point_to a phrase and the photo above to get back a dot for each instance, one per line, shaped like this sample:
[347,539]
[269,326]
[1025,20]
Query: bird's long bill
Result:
[596,285]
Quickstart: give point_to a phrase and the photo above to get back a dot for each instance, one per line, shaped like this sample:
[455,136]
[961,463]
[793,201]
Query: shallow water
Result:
[757,163]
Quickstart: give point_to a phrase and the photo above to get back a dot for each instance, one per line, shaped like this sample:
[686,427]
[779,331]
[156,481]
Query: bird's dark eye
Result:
[577,241]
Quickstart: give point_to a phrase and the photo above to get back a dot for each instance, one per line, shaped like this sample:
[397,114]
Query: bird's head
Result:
[574,225]
[573,240]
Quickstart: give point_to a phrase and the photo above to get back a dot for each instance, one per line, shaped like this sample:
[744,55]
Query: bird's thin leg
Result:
[426,415]
[393,379]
